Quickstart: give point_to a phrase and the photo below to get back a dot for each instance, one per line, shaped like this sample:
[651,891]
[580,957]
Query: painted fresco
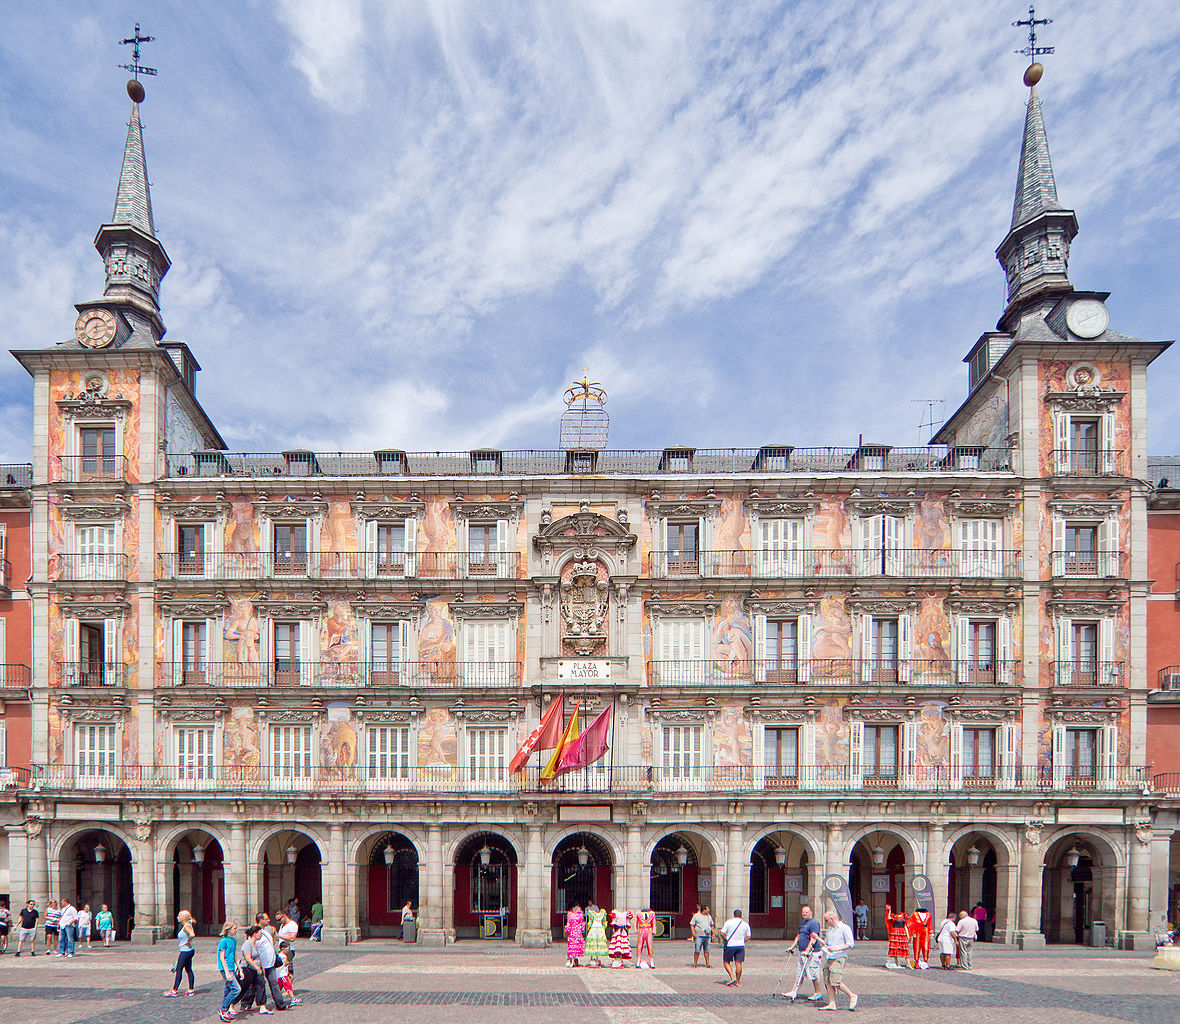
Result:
[932,637]
[731,532]
[933,735]
[338,532]
[831,630]
[438,536]
[131,737]
[242,740]
[830,528]
[438,745]
[932,527]
[436,641]
[832,735]
[338,742]
[733,744]
[242,535]
[240,636]
[339,646]
[123,384]
[732,639]
[988,425]
[57,642]
[57,743]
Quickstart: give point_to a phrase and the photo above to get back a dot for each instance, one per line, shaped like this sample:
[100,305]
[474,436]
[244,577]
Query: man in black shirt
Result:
[28,927]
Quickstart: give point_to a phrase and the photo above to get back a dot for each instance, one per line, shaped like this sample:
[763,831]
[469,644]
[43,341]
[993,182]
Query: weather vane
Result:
[134,88]
[1033,73]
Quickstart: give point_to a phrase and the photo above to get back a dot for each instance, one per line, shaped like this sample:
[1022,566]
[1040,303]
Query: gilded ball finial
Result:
[1033,73]
[135,90]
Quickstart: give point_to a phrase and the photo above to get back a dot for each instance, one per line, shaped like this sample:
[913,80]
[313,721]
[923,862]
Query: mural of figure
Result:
[831,738]
[732,741]
[338,742]
[831,631]
[732,643]
[241,635]
[437,742]
[932,530]
[243,742]
[438,536]
[57,744]
[131,740]
[436,641]
[242,538]
[829,526]
[732,535]
[932,638]
[934,735]
[340,659]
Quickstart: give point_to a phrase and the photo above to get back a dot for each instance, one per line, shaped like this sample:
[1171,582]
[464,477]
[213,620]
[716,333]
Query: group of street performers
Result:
[586,936]
[909,938]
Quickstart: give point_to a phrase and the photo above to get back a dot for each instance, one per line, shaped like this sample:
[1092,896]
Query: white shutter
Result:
[1058,736]
[1061,564]
[411,545]
[473,646]
[71,670]
[956,769]
[1107,672]
[905,647]
[505,563]
[3,746]
[504,663]
[657,752]
[1004,667]
[700,671]
[1106,451]
[759,755]
[1006,741]
[1108,547]
[856,747]
[909,753]
[364,629]
[210,558]
[1065,652]
[866,647]
[370,549]
[759,648]
[311,541]
[210,653]
[307,661]
[803,648]
[1060,442]
[872,545]
[808,774]
[962,650]
[1108,743]
[111,659]
[894,542]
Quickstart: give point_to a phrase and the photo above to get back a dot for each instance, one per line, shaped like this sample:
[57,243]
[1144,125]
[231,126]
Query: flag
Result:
[544,736]
[588,747]
[567,737]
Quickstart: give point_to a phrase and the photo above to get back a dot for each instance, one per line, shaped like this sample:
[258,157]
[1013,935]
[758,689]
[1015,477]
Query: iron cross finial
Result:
[1032,51]
[135,67]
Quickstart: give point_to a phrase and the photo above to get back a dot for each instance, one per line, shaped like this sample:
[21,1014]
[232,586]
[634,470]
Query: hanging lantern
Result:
[198,854]
[583,856]
[292,853]
[663,866]
[100,854]
[681,855]
[1072,858]
[780,856]
[387,853]
[485,855]
[973,857]
[878,857]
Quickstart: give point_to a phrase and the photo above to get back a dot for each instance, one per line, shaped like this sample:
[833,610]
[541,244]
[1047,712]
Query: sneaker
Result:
[263,1009]
[190,992]
[852,1002]
[791,995]
[225,1016]
[817,998]
[18,954]
[171,992]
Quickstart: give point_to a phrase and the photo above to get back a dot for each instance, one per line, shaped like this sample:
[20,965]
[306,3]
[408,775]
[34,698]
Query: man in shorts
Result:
[701,926]
[28,928]
[735,932]
[838,943]
[809,947]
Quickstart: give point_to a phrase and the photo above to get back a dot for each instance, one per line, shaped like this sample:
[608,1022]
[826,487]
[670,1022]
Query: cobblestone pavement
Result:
[389,982]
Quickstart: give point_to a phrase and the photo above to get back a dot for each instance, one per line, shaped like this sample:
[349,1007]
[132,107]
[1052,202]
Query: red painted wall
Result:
[1163,641]
[775,917]
[18,643]
[379,912]
[18,734]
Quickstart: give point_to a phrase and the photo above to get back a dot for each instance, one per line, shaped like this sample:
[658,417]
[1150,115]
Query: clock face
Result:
[95,328]
[1087,318]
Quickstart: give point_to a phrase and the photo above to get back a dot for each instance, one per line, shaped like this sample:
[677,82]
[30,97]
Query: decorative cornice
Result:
[982,605]
[368,511]
[668,508]
[299,507]
[289,717]
[107,714]
[876,505]
[486,609]
[1084,606]
[692,715]
[779,607]
[880,605]
[205,716]
[396,717]
[99,606]
[967,713]
[112,408]
[202,607]
[293,607]
[1096,716]
[1097,509]
[874,713]
[485,509]
[982,508]
[782,508]
[380,606]
[772,715]
[1084,401]
[71,508]
[471,716]
[583,529]
[218,508]
[671,607]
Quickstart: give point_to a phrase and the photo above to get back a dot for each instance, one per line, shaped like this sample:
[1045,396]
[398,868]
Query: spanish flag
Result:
[545,736]
[567,737]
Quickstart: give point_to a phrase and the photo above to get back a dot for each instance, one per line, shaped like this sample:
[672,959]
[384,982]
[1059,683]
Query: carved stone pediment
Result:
[380,606]
[584,529]
[880,605]
[92,605]
[72,508]
[197,607]
[873,713]
[1088,508]
[1084,606]
[196,510]
[669,608]
[863,505]
[289,717]
[296,508]
[299,607]
[475,716]
[674,717]
[982,508]
[676,508]
[100,408]
[782,508]
[369,511]
[968,714]
[205,716]
[779,607]
[772,715]
[982,605]
[1085,716]
[391,717]
[1084,399]
[486,609]
[106,714]
[480,509]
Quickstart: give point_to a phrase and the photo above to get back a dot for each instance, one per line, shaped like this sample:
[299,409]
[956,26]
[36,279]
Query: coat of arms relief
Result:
[584,606]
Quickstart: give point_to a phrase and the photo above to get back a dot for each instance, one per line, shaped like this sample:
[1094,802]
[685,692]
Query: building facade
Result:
[263,676]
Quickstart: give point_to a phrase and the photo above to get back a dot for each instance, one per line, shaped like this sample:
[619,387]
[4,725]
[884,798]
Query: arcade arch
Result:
[1078,887]
[582,870]
[94,866]
[485,890]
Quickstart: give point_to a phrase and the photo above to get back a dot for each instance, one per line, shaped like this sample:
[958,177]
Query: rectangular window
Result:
[487,549]
[94,752]
[286,665]
[190,548]
[96,559]
[682,757]
[782,650]
[290,753]
[880,752]
[881,551]
[782,753]
[1083,444]
[194,753]
[682,548]
[98,453]
[980,541]
[193,652]
[487,755]
[388,653]
[681,655]
[91,654]
[488,653]
[1081,753]
[389,752]
[1084,644]
[885,649]
[979,753]
[290,549]
[981,652]
[781,547]
[391,549]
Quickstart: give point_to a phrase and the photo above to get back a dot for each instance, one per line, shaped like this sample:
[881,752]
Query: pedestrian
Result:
[285,972]
[253,982]
[947,941]
[809,949]
[84,919]
[921,928]
[575,938]
[268,960]
[861,913]
[899,943]
[185,951]
[66,929]
[52,917]
[596,947]
[620,940]
[288,929]
[645,923]
[838,943]
[407,918]
[317,921]
[733,956]
[5,925]
[979,912]
[701,930]
[104,921]
[227,959]
[967,930]
[293,909]
[28,927]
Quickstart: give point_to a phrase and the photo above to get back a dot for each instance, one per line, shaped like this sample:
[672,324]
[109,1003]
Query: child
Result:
[285,972]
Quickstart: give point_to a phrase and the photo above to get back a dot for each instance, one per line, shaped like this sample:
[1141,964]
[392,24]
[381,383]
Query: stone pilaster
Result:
[1138,933]
[1028,921]
[335,890]
[431,931]
[531,931]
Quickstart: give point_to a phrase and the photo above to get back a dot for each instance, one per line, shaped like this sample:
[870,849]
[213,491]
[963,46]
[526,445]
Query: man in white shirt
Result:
[735,932]
[65,938]
[838,943]
[967,931]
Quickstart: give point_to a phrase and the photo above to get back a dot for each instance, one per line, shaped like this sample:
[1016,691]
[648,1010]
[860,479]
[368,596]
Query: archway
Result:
[1077,889]
[291,870]
[780,883]
[95,868]
[485,887]
[197,881]
[389,866]
[583,870]
[680,879]
[877,877]
[974,877]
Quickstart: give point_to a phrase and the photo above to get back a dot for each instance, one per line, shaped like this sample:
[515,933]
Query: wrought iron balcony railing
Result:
[80,469]
[16,475]
[1093,462]
[287,673]
[820,563]
[782,459]
[89,567]
[399,774]
[1090,564]
[1168,678]
[16,677]
[5,574]
[1089,672]
[327,565]
[878,671]
[85,673]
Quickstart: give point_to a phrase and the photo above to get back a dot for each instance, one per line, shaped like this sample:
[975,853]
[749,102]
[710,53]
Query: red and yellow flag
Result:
[545,736]
[567,737]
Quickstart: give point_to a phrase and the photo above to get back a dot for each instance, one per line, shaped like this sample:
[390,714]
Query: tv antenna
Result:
[931,417]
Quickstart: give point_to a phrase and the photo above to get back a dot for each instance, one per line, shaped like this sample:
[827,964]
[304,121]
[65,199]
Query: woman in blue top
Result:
[227,958]
[185,951]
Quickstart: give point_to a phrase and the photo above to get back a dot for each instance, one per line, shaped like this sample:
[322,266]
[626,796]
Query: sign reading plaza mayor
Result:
[581,668]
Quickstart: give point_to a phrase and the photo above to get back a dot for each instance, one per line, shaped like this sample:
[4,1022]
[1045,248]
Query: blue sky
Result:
[412,224]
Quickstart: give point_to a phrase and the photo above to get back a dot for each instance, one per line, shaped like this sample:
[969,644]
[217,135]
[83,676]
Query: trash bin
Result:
[410,931]
[1098,934]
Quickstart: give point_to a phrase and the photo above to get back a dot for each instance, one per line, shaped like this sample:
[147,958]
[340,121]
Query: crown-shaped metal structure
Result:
[584,424]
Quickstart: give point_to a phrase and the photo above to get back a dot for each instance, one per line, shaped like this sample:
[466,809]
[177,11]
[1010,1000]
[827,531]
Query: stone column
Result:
[936,871]
[1028,918]
[143,882]
[834,864]
[335,897]
[1138,933]
[237,902]
[531,931]
[634,897]
[1161,852]
[737,895]
[29,872]
[430,930]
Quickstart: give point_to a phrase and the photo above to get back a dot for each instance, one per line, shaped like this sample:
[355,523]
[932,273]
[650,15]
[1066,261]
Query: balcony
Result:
[15,677]
[345,565]
[15,475]
[838,671]
[819,563]
[89,567]
[90,674]
[328,674]
[89,469]
[5,577]
[785,461]
[1090,565]
[1088,672]
[402,776]
[1102,462]
[1168,679]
